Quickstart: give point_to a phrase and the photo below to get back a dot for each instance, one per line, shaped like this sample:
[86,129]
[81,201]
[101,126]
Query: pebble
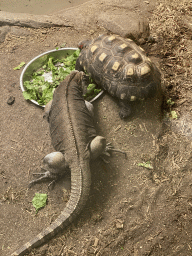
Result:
[11,100]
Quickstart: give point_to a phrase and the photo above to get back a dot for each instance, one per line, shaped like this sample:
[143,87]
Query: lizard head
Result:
[81,79]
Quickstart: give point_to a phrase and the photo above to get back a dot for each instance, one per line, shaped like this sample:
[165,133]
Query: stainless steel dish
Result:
[39,61]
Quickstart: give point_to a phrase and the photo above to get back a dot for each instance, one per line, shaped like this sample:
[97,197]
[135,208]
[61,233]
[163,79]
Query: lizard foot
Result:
[44,177]
[107,152]
[109,148]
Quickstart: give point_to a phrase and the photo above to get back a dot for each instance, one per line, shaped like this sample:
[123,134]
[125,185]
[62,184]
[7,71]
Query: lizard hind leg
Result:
[54,166]
[54,162]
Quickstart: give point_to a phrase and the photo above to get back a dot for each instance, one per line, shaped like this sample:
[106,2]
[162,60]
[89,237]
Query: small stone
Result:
[119,225]
[96,242]
[133,98]
[141,41]
[151,40]
[11,100]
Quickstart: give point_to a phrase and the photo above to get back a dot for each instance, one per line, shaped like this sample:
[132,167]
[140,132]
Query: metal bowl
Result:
[39,61]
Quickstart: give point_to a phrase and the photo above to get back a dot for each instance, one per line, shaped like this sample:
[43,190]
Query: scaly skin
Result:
[72,131]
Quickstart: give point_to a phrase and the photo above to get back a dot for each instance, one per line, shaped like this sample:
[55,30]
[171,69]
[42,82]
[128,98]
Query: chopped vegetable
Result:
[92,91]
[174,114]
[20,65]
[39,201]
[170,102]
[146,165]
[45,80]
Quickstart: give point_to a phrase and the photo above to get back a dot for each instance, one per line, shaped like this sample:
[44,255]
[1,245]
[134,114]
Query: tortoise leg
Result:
[125,109]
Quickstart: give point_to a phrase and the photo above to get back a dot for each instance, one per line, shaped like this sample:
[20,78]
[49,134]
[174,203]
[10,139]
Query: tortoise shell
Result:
[119,66]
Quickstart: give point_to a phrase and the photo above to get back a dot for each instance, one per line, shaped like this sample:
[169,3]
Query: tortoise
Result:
[121,68]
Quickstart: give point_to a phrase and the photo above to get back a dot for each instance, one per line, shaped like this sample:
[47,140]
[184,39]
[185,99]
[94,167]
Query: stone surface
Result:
[3,32]
[19,31]
[132,27]
[30,20]
[89,16]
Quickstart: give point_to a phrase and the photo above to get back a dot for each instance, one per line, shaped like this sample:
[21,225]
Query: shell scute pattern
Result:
[120,49]
[121,67]
[114,67]
[102,58]
[133,57]
[129,72]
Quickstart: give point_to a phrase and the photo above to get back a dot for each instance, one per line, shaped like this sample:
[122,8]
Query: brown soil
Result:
[131,210]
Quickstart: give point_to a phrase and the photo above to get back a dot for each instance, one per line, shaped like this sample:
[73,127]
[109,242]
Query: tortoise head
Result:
[83,44]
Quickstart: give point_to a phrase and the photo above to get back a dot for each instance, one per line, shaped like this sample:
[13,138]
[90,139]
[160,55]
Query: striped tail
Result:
[74,206]
[62,221]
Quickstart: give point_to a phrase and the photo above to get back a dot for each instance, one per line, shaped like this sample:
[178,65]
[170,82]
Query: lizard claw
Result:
[109,147]
[45,176]
[107,152]
[51,184]
[104,160]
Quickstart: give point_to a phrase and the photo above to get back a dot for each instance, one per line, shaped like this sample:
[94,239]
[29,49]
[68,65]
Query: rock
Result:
[11,100]
[96,242]
[89,16]
[3,32]
[141,41]
[19,31]
[30,20]
[132,27]
[119,224]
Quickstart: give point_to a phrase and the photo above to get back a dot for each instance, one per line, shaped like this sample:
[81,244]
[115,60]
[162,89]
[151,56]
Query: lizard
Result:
[75,140]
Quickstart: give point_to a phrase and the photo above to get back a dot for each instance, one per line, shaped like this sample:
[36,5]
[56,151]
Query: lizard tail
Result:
[74,206]
[48,233]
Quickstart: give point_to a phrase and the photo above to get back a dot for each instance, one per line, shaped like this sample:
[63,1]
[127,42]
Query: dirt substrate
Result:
[132,210]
